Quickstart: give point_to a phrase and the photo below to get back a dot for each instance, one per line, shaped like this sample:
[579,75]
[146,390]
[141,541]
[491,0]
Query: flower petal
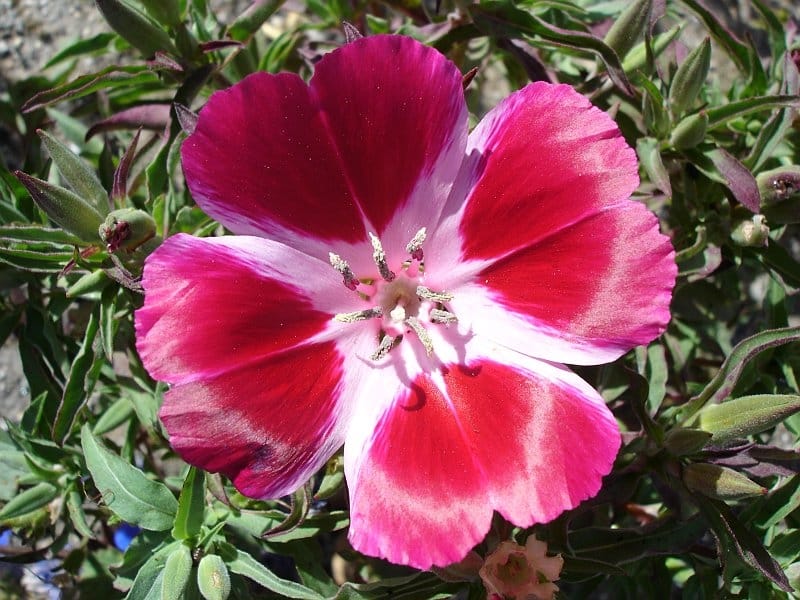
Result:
[396,112]
[584,295]
[216,304]
[549,160]
[507,433]
[268,426]
[261,162]
[382,126]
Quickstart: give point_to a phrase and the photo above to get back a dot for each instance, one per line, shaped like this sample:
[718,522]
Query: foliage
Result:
[705,496]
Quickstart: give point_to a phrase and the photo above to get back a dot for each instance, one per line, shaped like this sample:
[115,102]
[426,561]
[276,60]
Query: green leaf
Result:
[110,77]
[28,501]
[253,18]
[722,115]
[139,31]
[738,51]
[177,570]
[149,579]
[79,385]
[495,18]
[81,47]
[721,386]
[243,564]
[647,149]
[733,535]
[114,416]
[37,233]
[191,505]
[75,510]
[777,259]
[126,490]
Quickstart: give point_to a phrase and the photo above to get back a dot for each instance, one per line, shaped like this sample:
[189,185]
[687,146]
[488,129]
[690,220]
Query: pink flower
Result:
[521,572]
[405,289]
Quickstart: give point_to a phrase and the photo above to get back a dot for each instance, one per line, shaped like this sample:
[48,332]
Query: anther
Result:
[414,247]
[338,263]
[361,315]
[387,343]
[422,334]
[442,317]
[379,256]
[428,294]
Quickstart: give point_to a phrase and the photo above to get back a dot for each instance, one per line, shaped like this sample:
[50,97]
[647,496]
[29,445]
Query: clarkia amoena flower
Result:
[406,289]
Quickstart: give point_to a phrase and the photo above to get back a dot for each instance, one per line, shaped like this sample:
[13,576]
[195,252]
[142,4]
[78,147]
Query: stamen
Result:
[338,263]
[427,294]
[379,256]
[387,343]
[361,315]
[422,334]
[414,247]
[443,317]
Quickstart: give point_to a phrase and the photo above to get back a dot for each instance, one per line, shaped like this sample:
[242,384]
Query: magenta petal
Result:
[529,441]
[217,304]
[268,426]
[549,159]
[602,285]
[382,126]
[261,161]
[397,114]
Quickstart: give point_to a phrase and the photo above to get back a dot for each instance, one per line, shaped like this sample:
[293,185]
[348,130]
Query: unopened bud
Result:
[77,173]
[64,207]
[127,229]
[689,78]
[680,441]
[690,131]
[752,232]
[779,185]
[719,482]
[213,578]
[167,12]
[628,27]
[747,415]
[135,28]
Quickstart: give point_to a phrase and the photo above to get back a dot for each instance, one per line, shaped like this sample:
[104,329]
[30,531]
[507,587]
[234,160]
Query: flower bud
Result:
[680,441]
[751,232]
[628,27]
[177,570]
[747,415]
[135,28]
[127,228]
[213,578]
[690,131]
[718,482]
[779,184]
[689,78]
[65,208]
[77,173]
[167,12]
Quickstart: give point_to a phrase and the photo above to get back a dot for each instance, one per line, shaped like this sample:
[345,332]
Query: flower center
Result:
[399,300]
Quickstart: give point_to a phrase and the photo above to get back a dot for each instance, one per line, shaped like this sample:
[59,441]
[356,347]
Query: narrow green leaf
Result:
[80,48]
[720,387]
[126,490]
[150,577]
[76,513]
[177,570]
[108,321]
[637,57]
[253,18]
[130,77]
[36,233]
[191,505]
[732,534]
[114,416]
[647,149]
[721,115]
[78,386]
[778,260]
[243,564]
[29,501]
